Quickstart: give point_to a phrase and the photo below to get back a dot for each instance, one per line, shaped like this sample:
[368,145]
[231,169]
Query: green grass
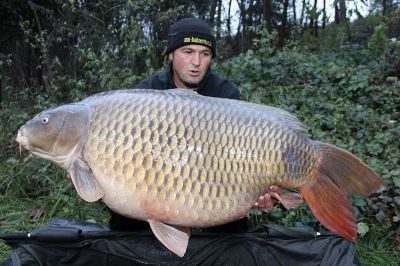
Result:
[4,251]
[25,214]
[379,248]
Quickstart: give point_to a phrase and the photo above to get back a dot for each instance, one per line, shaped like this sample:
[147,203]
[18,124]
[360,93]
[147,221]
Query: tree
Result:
[314,19]
[267,14]
[340,11]
[386,6]
[294,11]
[324,18]
[282,29]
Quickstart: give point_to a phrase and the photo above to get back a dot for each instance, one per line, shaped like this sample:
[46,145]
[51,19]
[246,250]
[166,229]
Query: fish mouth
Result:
[63,160]
[24,144]
[22,140]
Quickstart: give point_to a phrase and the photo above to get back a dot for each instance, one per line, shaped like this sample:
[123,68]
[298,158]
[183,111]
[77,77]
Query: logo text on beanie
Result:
[197,40]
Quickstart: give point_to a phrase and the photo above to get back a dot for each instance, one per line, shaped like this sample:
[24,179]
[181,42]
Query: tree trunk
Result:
[250,12]
[242,16]
[228,20]
[219,19]
[282,29]
[294,11]
[267,14]
[213,8]
[343,17]
[337,14]
[324,15]
[343,11]
[315,19]
[384,7]
[303,8]
[313,16]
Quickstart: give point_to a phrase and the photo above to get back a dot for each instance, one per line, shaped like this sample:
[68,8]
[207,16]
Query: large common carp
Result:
[180,160]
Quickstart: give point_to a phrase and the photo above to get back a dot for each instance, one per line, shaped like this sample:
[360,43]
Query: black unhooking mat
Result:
[72,242]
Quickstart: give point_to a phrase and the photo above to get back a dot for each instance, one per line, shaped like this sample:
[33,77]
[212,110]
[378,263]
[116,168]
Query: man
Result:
[190,49]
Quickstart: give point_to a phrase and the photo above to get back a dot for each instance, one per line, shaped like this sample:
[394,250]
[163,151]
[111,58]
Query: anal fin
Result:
[174,238]
[289,200]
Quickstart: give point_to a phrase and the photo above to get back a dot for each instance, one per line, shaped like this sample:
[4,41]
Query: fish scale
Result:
[158,161]
[174,157]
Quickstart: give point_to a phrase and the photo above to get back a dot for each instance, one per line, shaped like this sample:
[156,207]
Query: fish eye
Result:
[45,120]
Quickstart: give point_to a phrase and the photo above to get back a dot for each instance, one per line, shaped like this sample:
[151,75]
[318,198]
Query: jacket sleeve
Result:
[228,90]
[232,92]
[157,81]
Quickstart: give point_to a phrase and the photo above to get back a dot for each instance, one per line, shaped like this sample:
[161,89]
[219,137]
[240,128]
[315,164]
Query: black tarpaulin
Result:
[71,242]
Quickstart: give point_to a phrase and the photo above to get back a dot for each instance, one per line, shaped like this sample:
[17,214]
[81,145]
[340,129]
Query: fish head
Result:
[55,134]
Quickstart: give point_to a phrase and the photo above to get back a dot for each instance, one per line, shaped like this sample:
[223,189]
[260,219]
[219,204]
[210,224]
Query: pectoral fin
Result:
[85,182]
[174,238]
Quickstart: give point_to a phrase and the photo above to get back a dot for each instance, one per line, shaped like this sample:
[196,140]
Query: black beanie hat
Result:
[190,31]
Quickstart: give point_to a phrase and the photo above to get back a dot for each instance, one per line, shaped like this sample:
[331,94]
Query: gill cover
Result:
[58,135]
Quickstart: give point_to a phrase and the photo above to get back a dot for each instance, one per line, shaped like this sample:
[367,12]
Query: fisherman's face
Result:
[190,64]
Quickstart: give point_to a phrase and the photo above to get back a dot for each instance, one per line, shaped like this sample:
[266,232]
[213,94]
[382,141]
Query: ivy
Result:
[341,101]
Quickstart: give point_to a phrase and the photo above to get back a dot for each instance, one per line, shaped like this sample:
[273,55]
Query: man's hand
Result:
[289,200]
[264,202]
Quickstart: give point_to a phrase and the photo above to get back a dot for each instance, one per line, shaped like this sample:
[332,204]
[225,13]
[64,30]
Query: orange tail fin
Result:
[338,174]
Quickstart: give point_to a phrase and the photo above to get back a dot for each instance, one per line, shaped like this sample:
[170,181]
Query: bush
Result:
[343,100]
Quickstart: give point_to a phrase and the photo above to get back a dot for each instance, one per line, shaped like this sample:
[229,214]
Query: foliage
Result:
[342,102]
[333,37]
[344,90]
[362,28]
[378,43]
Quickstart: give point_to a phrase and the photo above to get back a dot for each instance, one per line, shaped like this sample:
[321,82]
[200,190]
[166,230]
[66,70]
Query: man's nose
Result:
[196,59]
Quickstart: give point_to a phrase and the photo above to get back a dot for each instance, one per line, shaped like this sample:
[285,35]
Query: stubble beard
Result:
[189,84]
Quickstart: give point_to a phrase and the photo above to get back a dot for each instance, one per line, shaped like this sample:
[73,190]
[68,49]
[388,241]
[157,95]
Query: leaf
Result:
[362,228]
[35,214]
[396,181]
[12,161]
[360,202]
[380,216]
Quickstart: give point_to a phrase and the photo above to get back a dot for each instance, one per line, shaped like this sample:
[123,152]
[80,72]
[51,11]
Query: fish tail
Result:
[336,175]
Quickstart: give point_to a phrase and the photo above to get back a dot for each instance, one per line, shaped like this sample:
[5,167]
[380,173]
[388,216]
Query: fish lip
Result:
[24,144]
[21,139]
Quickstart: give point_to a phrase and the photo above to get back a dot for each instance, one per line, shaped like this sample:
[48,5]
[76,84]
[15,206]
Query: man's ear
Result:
[171,56]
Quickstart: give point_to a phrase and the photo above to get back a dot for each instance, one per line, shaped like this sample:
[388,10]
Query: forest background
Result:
[334,64]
